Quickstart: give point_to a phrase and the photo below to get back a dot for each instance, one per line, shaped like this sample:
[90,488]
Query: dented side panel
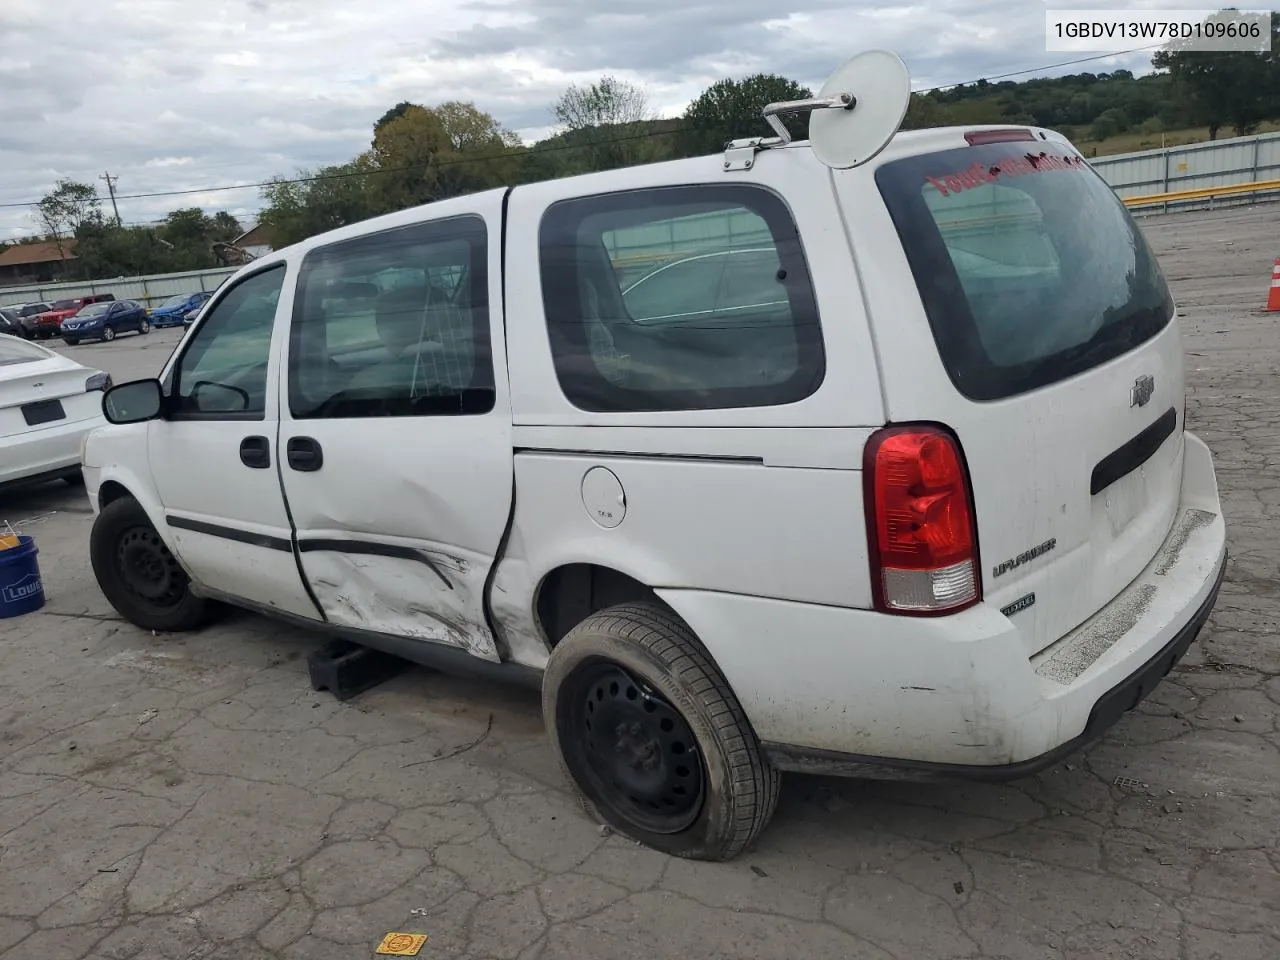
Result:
[399,526]
[420,593]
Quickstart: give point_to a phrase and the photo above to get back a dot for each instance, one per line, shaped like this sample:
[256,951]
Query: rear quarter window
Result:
[679,298]
[1029,267]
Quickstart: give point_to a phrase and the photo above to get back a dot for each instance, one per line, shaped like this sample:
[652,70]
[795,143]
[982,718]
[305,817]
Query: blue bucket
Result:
[20,588]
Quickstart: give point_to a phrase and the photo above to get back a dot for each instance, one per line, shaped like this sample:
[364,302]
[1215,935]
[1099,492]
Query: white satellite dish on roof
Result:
[853,118]
[880,87]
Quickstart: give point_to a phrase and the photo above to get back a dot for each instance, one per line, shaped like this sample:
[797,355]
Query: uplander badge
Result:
[1025,557]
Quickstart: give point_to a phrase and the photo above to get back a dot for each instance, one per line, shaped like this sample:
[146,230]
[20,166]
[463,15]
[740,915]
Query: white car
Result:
[915,494]
[48,404]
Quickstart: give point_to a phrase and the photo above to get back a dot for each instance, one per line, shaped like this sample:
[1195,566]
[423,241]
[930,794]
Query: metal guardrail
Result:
[147,290]
[1203,194]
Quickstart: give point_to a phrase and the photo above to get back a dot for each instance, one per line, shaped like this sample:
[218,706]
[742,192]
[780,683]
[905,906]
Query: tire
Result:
[738,788]
[72,341]
[108,334]
[144,326]
[123,530]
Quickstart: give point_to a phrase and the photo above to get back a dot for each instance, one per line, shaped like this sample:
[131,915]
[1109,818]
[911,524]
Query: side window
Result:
[223,370]
[394,324]
[679,298]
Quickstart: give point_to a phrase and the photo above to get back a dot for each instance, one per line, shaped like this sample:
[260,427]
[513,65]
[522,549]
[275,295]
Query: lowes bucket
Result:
[20,588]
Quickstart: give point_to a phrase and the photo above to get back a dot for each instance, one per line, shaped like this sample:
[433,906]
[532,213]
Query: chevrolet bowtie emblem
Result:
[1142,390]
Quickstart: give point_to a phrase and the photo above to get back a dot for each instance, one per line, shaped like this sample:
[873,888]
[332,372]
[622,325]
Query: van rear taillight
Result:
[920,524]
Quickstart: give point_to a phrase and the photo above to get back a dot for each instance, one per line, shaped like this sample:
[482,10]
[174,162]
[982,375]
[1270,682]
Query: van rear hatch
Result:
[1063,369]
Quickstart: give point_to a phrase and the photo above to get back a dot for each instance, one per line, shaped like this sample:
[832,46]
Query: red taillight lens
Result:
[920,521]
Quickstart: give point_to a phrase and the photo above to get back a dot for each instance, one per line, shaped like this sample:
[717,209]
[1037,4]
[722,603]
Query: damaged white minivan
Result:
[860,453]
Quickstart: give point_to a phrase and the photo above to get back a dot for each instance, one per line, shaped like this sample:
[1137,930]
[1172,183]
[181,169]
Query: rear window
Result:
[1030,268]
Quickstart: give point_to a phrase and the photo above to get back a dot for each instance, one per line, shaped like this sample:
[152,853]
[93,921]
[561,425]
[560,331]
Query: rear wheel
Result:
[144,326]
[108,334]
[138,574]
[652,737]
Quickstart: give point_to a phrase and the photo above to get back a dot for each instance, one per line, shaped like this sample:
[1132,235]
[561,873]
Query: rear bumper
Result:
[848,691]
[1109,709]
[52,452]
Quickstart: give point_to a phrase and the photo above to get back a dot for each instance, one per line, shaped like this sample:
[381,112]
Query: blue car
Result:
[171,312]
[102,321]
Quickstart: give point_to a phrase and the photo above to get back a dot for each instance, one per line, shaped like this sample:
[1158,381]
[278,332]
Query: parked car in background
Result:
[27,313]
[172,312]
[49,323]
[102,321]
[10,322]
[47,404]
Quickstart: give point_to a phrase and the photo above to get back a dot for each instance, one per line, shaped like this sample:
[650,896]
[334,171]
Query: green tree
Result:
[732,109]
[65,208]
[105,250]
[428,154]
[225,227]
[606,123]
[325,199]
[607,102]
[189,234]
[1235,89]
[396,111]
[924,111]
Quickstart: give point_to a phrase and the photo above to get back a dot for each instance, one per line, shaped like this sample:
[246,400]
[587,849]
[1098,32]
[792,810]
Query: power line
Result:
[289,181]
[281,181]
[1048,66]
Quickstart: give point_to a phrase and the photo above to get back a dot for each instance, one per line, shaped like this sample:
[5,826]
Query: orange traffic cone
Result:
[1273,295]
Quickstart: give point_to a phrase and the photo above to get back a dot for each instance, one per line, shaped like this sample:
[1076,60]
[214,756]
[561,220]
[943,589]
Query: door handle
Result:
[255,452]
[304,454]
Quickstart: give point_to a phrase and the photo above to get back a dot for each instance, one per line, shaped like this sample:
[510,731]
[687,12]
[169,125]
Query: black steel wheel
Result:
[147,568]
[635,748]
[138,574]
[652,737]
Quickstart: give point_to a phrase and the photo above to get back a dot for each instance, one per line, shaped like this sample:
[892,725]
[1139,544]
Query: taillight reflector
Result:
[978,137]
[924,550]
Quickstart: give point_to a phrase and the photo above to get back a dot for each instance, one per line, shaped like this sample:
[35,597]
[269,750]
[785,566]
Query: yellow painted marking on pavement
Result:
[402,944]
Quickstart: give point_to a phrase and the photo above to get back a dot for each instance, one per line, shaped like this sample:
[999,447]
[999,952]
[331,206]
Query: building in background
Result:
[255,241]
[40,262]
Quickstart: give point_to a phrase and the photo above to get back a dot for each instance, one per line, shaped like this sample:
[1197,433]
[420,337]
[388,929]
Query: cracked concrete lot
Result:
[191,797]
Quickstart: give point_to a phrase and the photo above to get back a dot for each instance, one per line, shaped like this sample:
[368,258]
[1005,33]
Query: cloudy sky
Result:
[184,95]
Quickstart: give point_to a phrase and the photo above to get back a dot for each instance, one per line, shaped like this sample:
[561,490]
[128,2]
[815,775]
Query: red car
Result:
[49,323]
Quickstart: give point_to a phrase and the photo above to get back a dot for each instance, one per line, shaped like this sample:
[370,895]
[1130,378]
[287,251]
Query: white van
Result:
[749,462]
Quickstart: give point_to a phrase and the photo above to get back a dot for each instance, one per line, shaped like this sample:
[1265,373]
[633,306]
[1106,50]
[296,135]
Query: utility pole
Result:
[111,189]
